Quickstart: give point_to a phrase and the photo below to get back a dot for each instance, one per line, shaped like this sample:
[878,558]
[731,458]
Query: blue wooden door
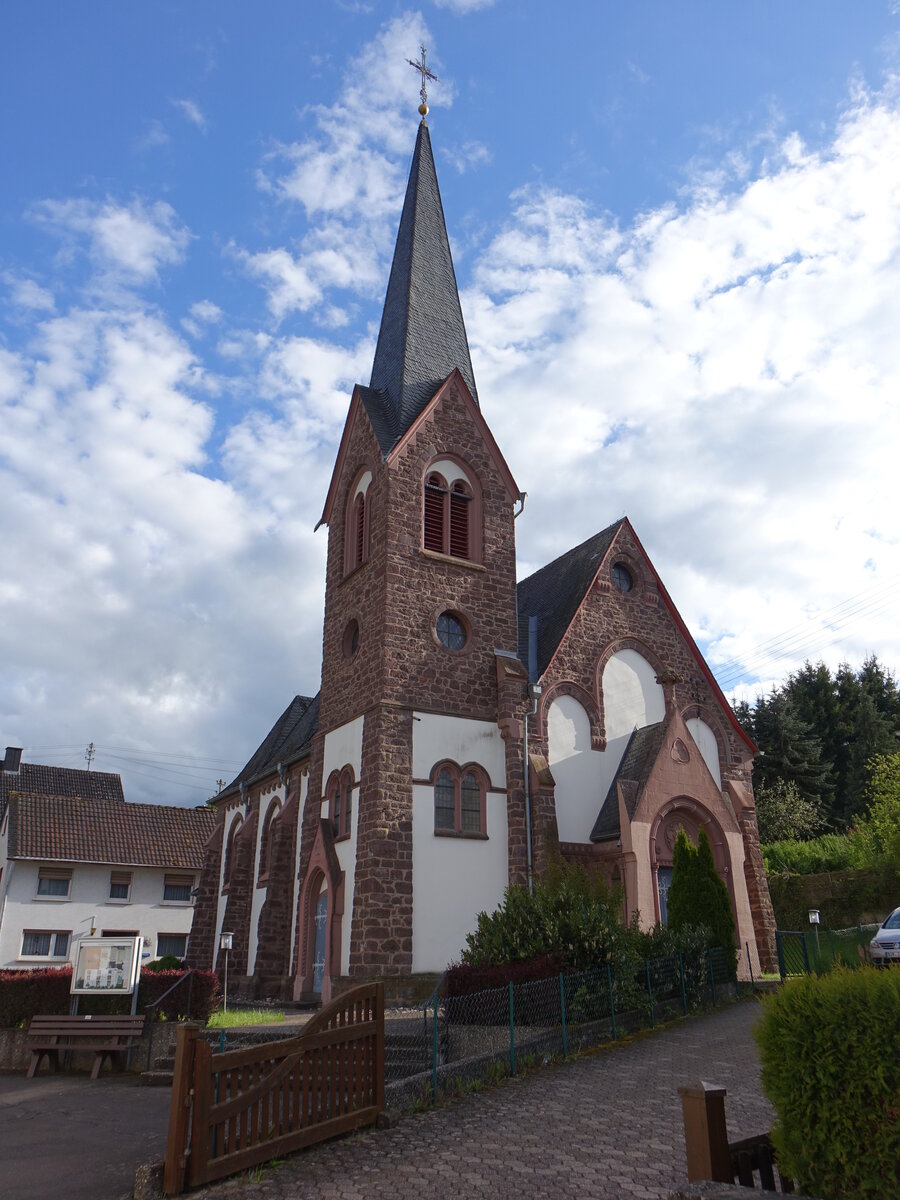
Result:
[663,883]
[319,958]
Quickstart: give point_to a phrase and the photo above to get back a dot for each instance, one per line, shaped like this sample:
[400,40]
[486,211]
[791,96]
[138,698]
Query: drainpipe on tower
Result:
[534,692]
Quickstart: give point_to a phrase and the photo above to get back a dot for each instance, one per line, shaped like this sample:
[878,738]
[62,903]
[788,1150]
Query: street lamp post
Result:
[225,943]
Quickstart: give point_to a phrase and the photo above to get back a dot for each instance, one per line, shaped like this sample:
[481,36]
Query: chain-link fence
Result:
[802,952]
[458,1040]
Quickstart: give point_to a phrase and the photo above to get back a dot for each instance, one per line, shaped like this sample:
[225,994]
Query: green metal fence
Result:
[802,952]
[501,1030]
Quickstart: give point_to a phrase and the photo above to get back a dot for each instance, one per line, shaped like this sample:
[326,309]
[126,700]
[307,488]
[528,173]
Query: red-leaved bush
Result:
[23,994]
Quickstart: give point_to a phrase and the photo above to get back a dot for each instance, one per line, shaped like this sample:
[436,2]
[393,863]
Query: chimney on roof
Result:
[11,759]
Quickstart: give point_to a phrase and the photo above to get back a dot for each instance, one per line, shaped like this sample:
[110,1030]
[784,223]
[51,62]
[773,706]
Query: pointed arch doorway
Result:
[322,912]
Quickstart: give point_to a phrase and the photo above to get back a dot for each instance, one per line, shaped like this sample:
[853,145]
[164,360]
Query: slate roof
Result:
[422,335]
[554,593]
[288,740]
[60,781]
[637,762]
[81,829]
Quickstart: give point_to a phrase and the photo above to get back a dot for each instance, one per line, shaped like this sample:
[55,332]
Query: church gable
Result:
[622,606]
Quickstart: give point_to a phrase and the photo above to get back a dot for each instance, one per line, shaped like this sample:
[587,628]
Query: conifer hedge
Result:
[830,1052]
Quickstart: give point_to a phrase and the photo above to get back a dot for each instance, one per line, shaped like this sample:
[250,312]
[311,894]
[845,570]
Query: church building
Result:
[466,727]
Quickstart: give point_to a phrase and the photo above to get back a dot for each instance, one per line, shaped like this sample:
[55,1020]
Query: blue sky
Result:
[677,238]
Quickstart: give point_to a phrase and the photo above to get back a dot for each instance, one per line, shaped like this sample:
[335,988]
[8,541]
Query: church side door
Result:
[319,952]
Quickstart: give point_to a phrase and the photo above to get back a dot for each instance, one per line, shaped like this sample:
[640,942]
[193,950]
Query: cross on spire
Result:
[423,70]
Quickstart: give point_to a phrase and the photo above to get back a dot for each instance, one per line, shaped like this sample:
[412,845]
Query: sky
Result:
[676,230]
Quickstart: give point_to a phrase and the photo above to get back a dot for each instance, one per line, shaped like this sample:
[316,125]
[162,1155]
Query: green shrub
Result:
[168,962]
[830,852]
[830,1051]
[697,895]
[573,916]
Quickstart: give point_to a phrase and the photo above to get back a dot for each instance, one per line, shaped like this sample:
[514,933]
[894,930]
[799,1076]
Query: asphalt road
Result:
[63,1137]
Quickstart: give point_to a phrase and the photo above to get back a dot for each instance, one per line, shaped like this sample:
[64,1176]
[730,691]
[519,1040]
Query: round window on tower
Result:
[350,640]
[451,630]
[622,577]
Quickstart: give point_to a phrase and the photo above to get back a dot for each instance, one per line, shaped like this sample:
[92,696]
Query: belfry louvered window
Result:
[357,521]
[446,518]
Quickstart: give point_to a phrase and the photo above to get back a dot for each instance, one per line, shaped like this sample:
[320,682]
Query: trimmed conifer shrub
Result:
[830,1052]
[697,895]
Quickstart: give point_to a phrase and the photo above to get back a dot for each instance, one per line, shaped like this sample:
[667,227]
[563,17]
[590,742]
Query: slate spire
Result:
[422,336]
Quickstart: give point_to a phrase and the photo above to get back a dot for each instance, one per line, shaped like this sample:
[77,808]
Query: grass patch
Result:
[244,1016]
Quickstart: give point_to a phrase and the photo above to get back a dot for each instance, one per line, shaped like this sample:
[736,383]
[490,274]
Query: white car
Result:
[885,945]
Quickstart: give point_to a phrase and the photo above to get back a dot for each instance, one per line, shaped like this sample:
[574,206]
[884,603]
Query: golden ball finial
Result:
[423,110]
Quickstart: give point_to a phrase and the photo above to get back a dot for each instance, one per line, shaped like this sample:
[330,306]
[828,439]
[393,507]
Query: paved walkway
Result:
[607,1126]
[63,1137]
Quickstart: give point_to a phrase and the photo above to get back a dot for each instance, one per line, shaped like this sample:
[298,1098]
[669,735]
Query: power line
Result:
[792,643]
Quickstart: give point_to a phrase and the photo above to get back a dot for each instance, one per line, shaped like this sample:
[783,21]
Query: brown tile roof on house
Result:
[79,829]
[60,781]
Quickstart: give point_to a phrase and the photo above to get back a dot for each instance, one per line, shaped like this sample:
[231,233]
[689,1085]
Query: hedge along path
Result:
[830,1052]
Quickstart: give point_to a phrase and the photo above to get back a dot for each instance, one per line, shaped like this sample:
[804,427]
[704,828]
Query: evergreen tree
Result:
[697,895]
[790,751]
[873,735]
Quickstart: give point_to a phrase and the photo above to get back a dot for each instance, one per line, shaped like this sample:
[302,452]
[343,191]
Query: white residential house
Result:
[77,859]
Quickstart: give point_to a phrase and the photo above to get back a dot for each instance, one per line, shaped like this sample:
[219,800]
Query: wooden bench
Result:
[104,1036]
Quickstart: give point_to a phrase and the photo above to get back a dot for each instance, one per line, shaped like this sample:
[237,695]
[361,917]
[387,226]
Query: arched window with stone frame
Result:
[265,840]
[236,826]
[339,795]
[357,522]
[460,800]
[451,511]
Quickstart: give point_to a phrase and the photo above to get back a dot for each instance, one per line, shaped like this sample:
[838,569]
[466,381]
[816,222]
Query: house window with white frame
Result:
[177,889]
[171,944]
[53,884]
[45,943]
[120,886]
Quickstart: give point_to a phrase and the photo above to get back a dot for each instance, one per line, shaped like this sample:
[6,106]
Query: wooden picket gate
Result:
[232,1110]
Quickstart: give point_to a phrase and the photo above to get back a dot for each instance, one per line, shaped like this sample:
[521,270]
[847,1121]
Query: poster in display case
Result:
[106,966]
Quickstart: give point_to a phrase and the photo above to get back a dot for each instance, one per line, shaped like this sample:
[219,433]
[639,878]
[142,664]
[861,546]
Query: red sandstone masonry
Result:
[201,943]
[396,597]
[240,893]
[272,969]
[610,620]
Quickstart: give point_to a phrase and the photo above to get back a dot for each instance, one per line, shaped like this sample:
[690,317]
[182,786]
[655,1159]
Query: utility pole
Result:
[89,755]
[220,783]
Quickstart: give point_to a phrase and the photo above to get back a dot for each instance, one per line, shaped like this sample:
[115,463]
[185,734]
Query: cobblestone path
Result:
[605,1126]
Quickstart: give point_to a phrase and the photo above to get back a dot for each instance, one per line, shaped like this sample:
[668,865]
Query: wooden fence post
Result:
[705,1133]
[179,1110]
[201,1141]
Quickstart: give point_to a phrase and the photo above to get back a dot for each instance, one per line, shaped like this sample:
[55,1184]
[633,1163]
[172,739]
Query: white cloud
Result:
[26,293]
[463,7]
[191,112]
[725,373]
[469,156]
[130,241]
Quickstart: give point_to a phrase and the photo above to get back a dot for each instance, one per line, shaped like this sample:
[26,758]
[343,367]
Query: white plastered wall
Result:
[632,699]
[707,745]
[304,784]
[88,904]
[258,898]
[343,747]
[454,878]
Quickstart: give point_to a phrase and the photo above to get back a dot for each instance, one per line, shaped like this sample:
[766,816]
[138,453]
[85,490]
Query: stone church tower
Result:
[420,596]
[464,724]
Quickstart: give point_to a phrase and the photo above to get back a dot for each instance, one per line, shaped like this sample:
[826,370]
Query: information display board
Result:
[106,966]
